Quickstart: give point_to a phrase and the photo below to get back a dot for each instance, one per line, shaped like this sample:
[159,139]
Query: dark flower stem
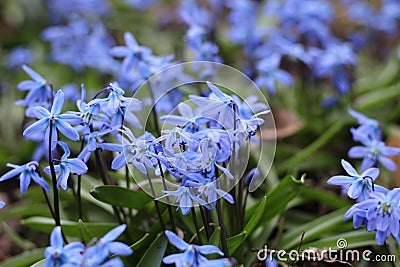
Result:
[155,201]
[196,225]
[223,230]
[205,223]
[56,203]
[78,193]
[46,197]
[157,126]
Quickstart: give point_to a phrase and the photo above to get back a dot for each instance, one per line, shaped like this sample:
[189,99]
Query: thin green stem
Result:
[205,223]
[155,201]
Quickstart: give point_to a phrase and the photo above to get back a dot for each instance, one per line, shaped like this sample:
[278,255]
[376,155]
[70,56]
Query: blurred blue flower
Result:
[380,213]
[372,152]
[19,56]
[26,172]
[357,186]
[65,166]
[193,255]
[270,73]
[40,90]
[65,9]
[368,127]
[2,204]
[132,52]
[40,130]
[332,62]
[57,254]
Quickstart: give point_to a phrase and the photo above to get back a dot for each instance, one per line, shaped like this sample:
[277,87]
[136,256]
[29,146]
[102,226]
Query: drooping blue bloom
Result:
[368,127]
[40,90]
[108,246]
[357,186]
[120,108]
[134,151]
[57,254]
[19,56]
[372,152]
[67,166]
[93,139]
[193,255]
[132,52]
[26,172]
[186,199]
[211,192]
[380,213]
[40,130]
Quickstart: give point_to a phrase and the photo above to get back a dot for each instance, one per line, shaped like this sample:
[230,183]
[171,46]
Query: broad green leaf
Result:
[154,255]
[24,209]
[352,239]
[121,196]
[140,242]
[25,259]
[70,228]
[278,199]
[315,229]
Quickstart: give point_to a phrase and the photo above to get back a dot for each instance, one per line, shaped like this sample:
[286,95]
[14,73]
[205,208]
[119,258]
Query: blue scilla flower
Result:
[132,52]
[186,198]
[368,127]
[93,139]
[57,254]
[332,61]
[66,166]
[134,151]
[193,255]
[357,186]
[211,192]
[26,172]
[108,246]
[380,213]
[19,56]
[40,90]
[269,73]
[372,152]
[40,130]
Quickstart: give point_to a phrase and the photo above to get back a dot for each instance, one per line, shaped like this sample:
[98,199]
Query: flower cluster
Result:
[193,255]
[378,208]
[101,252]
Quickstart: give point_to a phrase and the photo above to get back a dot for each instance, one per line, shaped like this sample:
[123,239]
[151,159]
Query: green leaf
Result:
[353,239]
[140,242]
[235,241]
[313,147]
[278,199]
[215,237]
[327,198]
[315,229]
[121,196]
[84,232]
[70,228]
[153,256]
[25,259]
